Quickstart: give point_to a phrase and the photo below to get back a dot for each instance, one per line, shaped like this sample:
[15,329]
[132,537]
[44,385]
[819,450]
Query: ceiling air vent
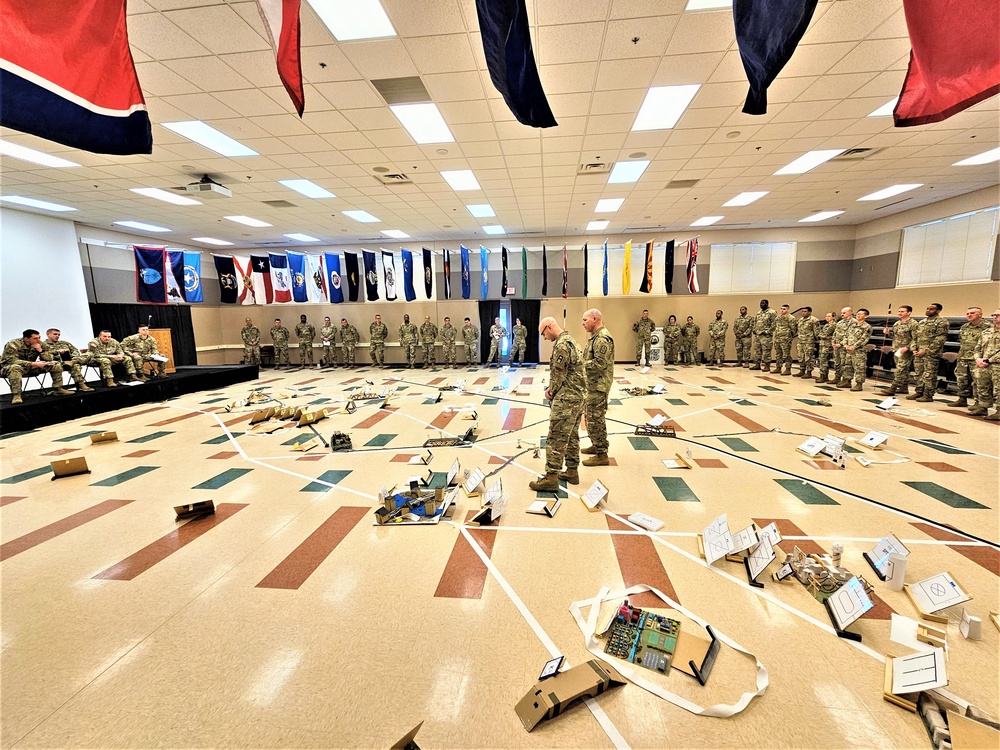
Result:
[681,184]
[408,90]
[857,154]
[279,204]
[597,167]
[393,179]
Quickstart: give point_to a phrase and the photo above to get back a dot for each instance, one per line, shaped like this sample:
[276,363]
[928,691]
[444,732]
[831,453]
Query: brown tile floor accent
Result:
[696,394]
[44,534]
[60,452]
[435,381]
[295,569]
[8,499]
[124,416]
[499,459]
[225,455]
[317,457]
[178,419]
[307,382]
[464,575]
[742,421]
[939,466]
[710,463]
[239,419]
[373,420]
[349,381]
[720,380]
[823,465]
[481,381]
[402,458]
[263,382]
[912,422]
[442,420]
[640,563]
[770,380]
[164,547]
[764,395]
[987,557]
[657,412]
[825,422]
[672,381]
[514,420]
[140,454]
[527,381]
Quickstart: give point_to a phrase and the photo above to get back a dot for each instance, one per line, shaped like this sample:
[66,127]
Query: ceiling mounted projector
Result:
[208,189]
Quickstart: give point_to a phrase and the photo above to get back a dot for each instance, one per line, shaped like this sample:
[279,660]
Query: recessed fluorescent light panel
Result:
[141,226]
[493,229]
[166,196]
[33,203]
[745,199]
[608,205]
[423,122]
[35,157]
[886,109]
[627,171]
[597,226]
[396,234]
[708,4]
[301,237]
[481,210]
[663,106]
[984,158]
[809,161]
[353,19]
[890,191]
[211,241]
[461,179]
[248,221]
[363,216]
[821,216]
[210,138]
[307,188]
[706,221]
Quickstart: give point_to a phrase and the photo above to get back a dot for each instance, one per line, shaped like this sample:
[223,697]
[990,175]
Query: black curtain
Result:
[124,320]
[489,310]
[529,311]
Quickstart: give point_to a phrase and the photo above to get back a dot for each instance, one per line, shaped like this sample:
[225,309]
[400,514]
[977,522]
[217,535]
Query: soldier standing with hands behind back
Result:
[306,334]
[928,343]
[448,336]
[599,370]
[743,332]
[328,337]
[350,337]
[470,335]
[408,340]
[251,343]
[497,334]
[279,337]
[428,335]
[377,334]
[717,340]
[988,371]
[968,337]
[902,339]
[644,329]
[520,342]
[763,330]
[689,337]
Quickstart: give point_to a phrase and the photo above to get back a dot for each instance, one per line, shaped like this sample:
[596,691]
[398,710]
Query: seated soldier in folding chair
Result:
[107,352]
[24,357]
[141,347]
[71,357]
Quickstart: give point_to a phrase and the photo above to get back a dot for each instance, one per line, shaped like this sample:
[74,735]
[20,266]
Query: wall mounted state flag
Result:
[261,270]
[229,290]
[331,262]
[565,288]
[692,265]
[524,272]
[281,277]
[604,279]
[484,265]
[353,276]
[428,273]
[175,276]
[244,279]
[297,269]
[447,273]
[408,291]
[315,279]
[586,271]
[192,277]
[647,277]
[389,269]
[545,272]
[503,266]
[668,267]
[281,21]
[627,268]
[150,266]
[371,276]
[466,278]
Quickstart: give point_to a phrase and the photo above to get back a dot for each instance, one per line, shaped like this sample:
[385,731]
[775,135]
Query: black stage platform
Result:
[39,410]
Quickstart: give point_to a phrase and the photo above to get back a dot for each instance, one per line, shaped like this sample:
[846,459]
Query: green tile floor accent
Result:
[677,401]
[15,434]
[71,438]
[401,388]
[946,496]
[808,401]
[219,440]
[739,445]
[805,492]
[769,388]
[334,476]
[615,402]
[318,401]
[642,443]
[26,475]
[379,441]
[742,402]
[125,476]
[489,401]
[301,437]
[214,400]
[150,436]
[826,388]
[712,388]
[221,480]
[850,449]
[675,489]
[942,447]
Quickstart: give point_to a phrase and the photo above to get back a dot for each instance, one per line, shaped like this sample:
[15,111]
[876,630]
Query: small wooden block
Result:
[104,437]
[907,701]
[701,546]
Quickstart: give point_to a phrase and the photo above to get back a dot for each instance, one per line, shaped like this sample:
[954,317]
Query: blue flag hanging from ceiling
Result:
[503,25]
[175,276]
[484,264]
[767,32]
[466,279]
[334,282]
[192,277]
[150,267]
[604,281]
[371,276]
[447,274]
[297,269]
[428,273]
[389,269]
[229,291]
[353,283]
[408,291]
[668,268]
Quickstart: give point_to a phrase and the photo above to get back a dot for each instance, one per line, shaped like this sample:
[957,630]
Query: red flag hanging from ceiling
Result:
[281,19]
[954,58]
[66,74]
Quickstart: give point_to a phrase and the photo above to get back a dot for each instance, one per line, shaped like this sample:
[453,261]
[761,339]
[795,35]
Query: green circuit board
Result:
[643,638]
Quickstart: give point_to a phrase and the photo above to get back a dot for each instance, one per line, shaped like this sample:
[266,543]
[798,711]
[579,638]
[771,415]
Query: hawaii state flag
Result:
[150,266]
[192,277]
[627,268]
[389,269]
[244,279]
[66,75]
[408,291]
[297,269]
[466,278]
[647,278]
[447,274]
[503,265]
[565,289]
[692,265]
[334,282]
[668,268]
[484,264]
[260,267]
[371,276]
[175,276]
[281,21]
[229,289]
[604,280]
[353,279]
[281,277]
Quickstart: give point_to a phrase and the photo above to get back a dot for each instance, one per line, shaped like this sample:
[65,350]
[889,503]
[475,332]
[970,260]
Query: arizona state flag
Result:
[627,268]
[447,274]
[565,289]
[371,276]
[228,285]
[353,280]
[668,267]
[408,290]
[545,273]
[647,278]
[428,273]
[466,278]
[503,265]
[150,266]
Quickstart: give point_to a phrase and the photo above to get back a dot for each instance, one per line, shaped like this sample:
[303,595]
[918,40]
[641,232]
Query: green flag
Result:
[524,272]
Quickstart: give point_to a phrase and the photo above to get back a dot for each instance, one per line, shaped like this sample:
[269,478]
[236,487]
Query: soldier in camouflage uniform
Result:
[743,333]
[470,336]
[807,342]
[968,336]
[763,330]
[106,352]
[141,347]
[328,337]
[350,337]
[824,335]
[717,340]
[785,329]
[928,343]
[377,334]
[408,341]
[279,337]
[520,332]
[987,372]
[25,356]
[599,370]
[305,332]
[902,338]
[497,334]
[251,343]
[55,346]
[689,341]
[643,328]
[565,394]
[671,341]
[448,335]
[856,348]
[428,336]
[840,359]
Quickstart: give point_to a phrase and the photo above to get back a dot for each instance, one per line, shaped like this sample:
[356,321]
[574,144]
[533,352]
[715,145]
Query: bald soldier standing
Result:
[565,394]
[251,343]
[428,335]
[969,336]
[841,360]
[987,372]
[599,370]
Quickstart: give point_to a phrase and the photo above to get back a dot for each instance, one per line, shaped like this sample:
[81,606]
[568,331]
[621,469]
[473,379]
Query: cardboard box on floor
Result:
[549,698]
[409,741]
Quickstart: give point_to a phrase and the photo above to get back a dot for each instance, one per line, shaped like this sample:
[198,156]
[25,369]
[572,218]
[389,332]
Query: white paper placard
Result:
[887,404]
[718,541]
[771,533]
[878,555]
[453,473]
[849,602]
[594,494]
[657,420]
[745,539]
[916,672]
[760,557]
[658,388]
[938,592]
[475,479]
[873,439]
[812,447]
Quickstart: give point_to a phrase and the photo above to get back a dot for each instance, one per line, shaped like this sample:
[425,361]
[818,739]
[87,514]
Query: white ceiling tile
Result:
[684,69]
[279,125]
[211,74]
[156,79]
[568,105]
[873,56]
[454,87]
[424,17]
[635,73]
[462,112]
[568,43]
[702,32]
[652,35]
[162,40]
[345,95]
[256,67]
[383,58]
[199,106]
[219,28]
[327,63]
[848,21]
[552,12]
[441,54]
[250,102]
[374,118]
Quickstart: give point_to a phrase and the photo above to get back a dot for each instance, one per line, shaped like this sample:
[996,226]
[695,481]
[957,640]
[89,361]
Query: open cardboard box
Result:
[549,698]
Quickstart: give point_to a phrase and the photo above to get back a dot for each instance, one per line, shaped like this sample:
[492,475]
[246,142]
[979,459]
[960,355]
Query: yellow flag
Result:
[627,269]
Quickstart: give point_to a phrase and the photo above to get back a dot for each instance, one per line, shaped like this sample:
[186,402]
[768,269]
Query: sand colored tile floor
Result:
[288,620]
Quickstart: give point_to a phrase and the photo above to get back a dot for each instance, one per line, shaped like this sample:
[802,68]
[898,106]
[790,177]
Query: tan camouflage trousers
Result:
[16,373]
[761,350]
[782,353]
[901,375]
[329,358]
[410,352]
[640,343]
[280,354]
[964,377]
[595,409]
[925,370]
[987,384]
[427,350]
[251,354]
[807,352]
[562,445]
[520,347]
[716,351]
[823,359]
[742,350]
[671,348]
[305,353]
[349,354]
[470,354]
[376,350]
[448,352]
[494,352]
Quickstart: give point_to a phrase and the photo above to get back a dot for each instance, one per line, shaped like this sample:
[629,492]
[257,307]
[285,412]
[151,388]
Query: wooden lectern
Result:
[164,342]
